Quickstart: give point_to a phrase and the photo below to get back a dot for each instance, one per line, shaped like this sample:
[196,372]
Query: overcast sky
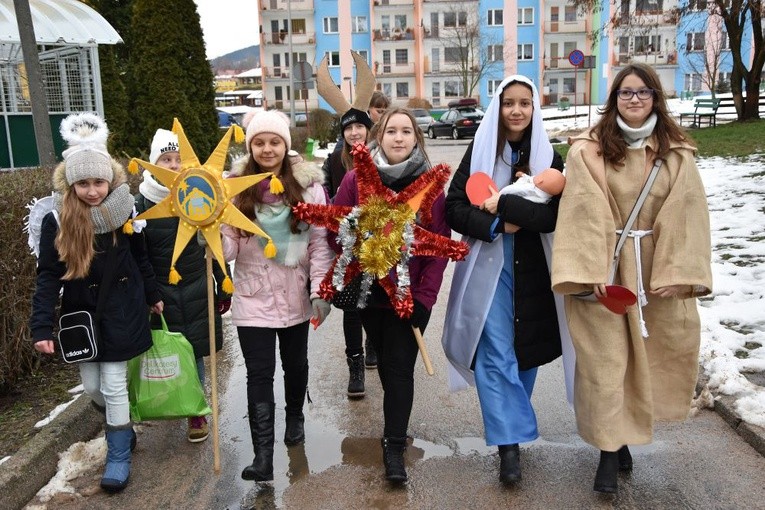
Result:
[228,25]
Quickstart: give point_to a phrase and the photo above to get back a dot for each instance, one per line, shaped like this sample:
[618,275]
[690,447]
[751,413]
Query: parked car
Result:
[461,119]
[423,118]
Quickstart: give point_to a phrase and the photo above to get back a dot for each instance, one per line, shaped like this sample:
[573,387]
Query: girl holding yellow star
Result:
[276,294]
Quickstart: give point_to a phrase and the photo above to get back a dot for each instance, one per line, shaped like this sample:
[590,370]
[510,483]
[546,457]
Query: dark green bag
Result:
[163,383]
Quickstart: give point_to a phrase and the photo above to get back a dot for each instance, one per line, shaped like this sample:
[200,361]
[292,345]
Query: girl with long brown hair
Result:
[276,296]
[93,202]
[626,380]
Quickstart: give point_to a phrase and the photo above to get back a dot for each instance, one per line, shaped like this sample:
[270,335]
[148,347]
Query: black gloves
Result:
[420,316]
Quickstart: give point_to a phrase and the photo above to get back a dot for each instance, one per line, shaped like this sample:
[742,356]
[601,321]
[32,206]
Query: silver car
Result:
[423,118]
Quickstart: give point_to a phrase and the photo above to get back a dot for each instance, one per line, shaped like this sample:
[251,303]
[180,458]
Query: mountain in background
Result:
[239,60]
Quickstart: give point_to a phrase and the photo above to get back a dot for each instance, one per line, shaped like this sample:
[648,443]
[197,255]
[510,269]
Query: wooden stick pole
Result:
[213,359]
[423,350]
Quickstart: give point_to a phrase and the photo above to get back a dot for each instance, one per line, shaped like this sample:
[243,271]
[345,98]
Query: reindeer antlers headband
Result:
[365,85]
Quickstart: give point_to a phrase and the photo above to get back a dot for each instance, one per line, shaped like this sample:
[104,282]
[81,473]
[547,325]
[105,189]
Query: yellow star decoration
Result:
[201,198]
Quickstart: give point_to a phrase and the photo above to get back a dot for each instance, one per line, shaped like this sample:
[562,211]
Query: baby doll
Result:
[539,188]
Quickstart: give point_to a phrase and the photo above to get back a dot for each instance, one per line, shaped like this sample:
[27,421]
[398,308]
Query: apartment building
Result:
[417,48]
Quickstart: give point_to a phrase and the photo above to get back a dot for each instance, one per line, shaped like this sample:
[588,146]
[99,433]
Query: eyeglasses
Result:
[628,94]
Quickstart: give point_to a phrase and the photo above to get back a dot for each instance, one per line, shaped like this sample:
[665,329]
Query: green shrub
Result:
[418,102]
[324,125]
[17,273]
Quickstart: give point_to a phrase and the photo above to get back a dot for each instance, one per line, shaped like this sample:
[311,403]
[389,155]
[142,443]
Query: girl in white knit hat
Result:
[276,296]
[186,301]
[79,240]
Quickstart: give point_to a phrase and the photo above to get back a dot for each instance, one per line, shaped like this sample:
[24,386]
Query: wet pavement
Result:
[701,463]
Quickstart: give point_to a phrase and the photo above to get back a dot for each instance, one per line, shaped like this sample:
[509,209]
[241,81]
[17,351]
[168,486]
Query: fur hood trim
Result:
[306,172]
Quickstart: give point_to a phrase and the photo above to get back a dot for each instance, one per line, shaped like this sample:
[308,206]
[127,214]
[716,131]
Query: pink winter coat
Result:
[271,295]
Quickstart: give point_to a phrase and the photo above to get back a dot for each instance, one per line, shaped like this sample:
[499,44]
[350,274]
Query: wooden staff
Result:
[423,350]
[213,365]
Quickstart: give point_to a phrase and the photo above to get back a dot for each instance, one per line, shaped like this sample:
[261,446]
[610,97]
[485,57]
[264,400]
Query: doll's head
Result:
[550,181]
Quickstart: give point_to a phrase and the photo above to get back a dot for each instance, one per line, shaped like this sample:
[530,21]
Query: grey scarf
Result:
[635,137]
[112,213]
[413,166]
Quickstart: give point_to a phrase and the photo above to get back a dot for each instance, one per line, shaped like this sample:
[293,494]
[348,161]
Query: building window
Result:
[333,58]
[330,26]
[455,19]
[452,55]
[652,6]
[697,5]
[647,44]
[436,91]
[494,17]
[387,89]
[399,21]
[495,53]
[402,57]
[724,41]
[526,16]
[298,26]
[694,41]
[492,86]
[402,89]
[363,54]
[359,24]
[452,88]
[692,82]
[526,51]
[569,13]
[724,79]
[569,85]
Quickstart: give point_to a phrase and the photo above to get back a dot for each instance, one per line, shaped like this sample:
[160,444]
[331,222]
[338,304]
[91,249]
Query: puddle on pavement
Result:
[325,446]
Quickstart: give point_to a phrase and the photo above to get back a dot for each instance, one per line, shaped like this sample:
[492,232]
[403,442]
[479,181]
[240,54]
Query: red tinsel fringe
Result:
[326,290]
[367,178]
[436,179]
[327,216]
[434,245]
[403,307]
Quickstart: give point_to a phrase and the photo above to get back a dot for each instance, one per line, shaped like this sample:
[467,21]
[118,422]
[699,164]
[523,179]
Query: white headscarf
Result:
[475,279]
[485,143]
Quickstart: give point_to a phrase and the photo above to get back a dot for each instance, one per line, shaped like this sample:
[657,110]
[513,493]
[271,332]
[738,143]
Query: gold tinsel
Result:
[381,252]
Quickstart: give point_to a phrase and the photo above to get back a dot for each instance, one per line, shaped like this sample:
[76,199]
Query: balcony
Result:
[558,63]
[393,69]
[276,72]
[566,27]
[281,5]
[395,34]
[393,3]
[666,58]
[269,38]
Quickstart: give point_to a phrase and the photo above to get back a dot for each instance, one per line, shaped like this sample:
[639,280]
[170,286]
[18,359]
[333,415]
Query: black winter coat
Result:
[333,169]
[124,325]
[537,338]
[185,303]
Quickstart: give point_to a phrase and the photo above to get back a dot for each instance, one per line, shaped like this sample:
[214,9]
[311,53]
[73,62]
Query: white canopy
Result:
[58,22]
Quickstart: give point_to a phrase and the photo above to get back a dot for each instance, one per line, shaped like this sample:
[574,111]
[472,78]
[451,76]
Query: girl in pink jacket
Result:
[276,296]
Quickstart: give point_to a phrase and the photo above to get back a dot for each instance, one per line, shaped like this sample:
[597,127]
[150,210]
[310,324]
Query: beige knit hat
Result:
[269,121]
[87,156]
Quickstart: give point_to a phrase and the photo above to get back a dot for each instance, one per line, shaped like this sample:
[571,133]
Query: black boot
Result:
[605,477]
[295,387]
[356,379]
[262,431]
[370,359]
[294,432]
[509,463]
[393,458]
[625,459]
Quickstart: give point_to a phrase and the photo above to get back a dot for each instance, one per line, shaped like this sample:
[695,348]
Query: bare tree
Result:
[709,63]
[736,15]
[468,52]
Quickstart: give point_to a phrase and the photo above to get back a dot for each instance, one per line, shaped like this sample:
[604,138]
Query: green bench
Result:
[703,108]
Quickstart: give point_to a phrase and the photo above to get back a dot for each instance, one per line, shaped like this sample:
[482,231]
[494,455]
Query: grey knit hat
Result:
[87,156]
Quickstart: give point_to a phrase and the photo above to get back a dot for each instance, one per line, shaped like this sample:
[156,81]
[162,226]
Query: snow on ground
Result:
[78,460]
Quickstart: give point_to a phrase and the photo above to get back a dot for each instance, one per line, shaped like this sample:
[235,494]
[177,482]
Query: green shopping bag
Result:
[163,383]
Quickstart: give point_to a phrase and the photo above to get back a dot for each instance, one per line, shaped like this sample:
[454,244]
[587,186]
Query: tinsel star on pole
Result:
[380,234]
